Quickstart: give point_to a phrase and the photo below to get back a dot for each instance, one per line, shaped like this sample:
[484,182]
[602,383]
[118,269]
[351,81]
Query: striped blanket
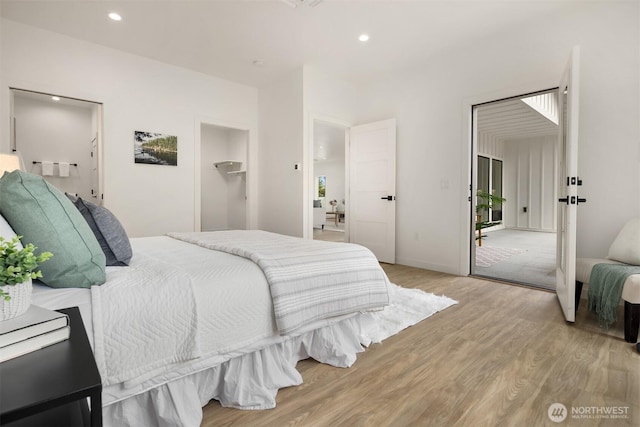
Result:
[309,280]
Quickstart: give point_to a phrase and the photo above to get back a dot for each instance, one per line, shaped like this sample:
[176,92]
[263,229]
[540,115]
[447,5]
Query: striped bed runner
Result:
[309,279]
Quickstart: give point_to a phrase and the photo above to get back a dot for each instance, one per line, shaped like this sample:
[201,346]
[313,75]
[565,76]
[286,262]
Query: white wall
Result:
[430,102]
[530,176]
[138,94]
[58,133]
[490,146]
[281,127]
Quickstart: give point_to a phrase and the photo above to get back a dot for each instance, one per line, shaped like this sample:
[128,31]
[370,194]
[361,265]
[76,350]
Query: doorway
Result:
[515,157]
[329,182]
[59,138]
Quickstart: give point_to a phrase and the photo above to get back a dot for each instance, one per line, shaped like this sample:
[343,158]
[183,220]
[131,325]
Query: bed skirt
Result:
[249,381]
[252,380]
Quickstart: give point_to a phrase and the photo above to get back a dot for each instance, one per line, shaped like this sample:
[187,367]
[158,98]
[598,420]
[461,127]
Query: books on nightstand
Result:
[35,329]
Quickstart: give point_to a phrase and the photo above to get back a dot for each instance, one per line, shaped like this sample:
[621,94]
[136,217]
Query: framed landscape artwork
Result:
[155,148]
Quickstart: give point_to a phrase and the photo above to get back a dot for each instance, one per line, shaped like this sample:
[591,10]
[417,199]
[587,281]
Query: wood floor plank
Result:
[502,356]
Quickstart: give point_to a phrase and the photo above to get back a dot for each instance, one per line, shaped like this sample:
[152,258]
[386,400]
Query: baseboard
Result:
[449,269]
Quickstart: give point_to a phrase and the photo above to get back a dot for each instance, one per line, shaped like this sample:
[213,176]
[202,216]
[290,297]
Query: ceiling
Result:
[225,38]
[328,142]
[513,119]
[45,98]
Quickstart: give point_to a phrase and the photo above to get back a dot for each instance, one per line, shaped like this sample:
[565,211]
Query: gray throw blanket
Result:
[309,279]
[605,290]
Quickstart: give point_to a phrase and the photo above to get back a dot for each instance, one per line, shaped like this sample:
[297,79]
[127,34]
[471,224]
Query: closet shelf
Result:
[227,163]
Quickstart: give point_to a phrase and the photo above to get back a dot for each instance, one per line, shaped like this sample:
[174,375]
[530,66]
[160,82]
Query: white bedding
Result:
[243,360]
[232,300]
[145,320]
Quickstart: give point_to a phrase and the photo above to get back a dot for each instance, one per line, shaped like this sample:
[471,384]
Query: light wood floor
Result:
[328,235]
[500,357]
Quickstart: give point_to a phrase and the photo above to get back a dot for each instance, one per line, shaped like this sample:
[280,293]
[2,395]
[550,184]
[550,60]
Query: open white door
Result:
[568,182]
[372,188]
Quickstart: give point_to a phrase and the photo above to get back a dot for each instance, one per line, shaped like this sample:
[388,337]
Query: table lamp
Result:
[8,163]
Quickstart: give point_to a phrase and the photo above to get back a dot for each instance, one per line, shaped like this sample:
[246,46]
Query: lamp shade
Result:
[8,163]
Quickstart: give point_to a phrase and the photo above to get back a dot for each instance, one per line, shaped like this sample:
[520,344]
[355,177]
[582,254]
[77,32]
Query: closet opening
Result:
[59,138]
[223,168]
[514,175]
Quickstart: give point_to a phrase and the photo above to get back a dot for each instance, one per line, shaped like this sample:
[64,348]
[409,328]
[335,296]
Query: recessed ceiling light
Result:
[115,16]
[363,37]
[55,98]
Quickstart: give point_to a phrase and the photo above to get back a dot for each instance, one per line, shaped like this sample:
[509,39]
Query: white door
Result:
[372,188]
[568,185]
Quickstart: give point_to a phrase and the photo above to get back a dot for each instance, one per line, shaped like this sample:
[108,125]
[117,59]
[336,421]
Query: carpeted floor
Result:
[520,256]
[486,256]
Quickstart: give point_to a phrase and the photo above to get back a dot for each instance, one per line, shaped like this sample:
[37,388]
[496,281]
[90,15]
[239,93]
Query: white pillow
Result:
[6,231]
[626,247]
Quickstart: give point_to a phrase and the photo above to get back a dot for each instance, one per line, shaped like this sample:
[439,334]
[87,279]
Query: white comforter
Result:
[145,318]
[179,305]
[223,297]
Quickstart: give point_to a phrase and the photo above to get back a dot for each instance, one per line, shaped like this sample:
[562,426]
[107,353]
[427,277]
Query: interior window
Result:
[321,188]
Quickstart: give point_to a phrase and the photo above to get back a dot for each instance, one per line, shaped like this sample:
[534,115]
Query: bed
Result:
[192,317]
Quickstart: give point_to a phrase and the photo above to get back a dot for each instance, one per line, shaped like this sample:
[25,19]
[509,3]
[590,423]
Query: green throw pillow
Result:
[43,215]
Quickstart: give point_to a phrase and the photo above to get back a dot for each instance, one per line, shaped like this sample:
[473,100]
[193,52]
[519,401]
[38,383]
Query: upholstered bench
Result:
[624,250]
[630,294]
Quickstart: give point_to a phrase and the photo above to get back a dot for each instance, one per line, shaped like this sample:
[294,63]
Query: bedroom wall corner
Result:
[330,100]
[137,94]
[280,109]
[285,109]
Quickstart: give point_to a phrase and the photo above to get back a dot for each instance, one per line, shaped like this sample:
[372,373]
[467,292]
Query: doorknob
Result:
[390,198]
[572,200]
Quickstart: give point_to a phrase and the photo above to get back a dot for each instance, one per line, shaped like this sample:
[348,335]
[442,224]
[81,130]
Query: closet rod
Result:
[56,163]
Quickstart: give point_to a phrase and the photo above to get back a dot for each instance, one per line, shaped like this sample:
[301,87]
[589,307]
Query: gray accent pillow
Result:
[110,234]
[42,215]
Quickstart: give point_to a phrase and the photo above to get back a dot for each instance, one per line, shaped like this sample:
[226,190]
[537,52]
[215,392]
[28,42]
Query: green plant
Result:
[487,201]
[18,265]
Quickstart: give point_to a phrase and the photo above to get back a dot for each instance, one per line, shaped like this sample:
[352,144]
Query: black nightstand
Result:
[49,387]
